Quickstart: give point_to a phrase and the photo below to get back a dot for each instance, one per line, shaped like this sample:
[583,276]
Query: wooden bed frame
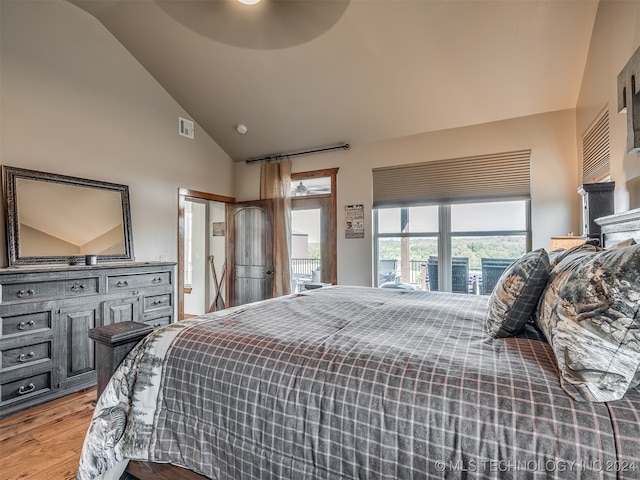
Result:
[615,228]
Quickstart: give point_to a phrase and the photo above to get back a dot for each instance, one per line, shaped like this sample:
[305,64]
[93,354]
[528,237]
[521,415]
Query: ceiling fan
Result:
[268,24]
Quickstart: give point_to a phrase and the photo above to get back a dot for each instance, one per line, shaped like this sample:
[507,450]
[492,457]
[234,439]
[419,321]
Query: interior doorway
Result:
[201,252]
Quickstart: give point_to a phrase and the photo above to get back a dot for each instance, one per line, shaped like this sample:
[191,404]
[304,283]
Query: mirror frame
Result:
[9,177]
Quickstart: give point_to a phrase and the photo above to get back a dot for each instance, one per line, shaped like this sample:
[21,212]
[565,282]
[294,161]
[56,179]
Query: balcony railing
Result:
[302,268]
[419,276]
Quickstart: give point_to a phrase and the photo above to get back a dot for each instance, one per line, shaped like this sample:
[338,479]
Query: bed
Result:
[364,383]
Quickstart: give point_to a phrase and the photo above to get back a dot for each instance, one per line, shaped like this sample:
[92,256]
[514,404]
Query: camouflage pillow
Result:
[556,256]
[516,294]
[590,314]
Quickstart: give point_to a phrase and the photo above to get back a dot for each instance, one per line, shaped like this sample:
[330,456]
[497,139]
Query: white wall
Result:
[551,138]
[217,248]
[616,36]
[75,102]
[194,302]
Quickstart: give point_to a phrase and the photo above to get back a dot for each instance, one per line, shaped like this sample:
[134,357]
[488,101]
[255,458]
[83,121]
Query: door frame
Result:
[332,233]
[183,195]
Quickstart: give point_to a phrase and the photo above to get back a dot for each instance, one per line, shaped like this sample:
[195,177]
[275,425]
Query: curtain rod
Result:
[280,156]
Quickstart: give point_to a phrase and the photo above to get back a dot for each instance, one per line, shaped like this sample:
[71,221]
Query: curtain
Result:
[275,183]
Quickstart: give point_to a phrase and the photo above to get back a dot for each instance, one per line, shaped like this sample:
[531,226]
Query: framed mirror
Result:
[53,219]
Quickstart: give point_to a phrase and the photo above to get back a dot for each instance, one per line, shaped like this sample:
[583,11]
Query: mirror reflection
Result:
[60,219]
[46,210]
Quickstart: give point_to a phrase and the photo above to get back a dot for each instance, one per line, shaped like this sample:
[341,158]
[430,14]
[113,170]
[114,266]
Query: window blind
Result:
[595,150]
[457,180]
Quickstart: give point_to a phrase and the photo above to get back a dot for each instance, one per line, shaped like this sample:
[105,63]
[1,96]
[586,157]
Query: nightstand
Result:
[113,342]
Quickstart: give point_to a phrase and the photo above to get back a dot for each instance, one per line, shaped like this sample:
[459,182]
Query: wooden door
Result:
[250,251]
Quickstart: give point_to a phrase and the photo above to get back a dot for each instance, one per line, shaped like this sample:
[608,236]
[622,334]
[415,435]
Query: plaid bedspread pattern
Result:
[360,383]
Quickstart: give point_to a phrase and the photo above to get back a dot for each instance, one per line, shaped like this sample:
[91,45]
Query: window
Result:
[450,215]
[595,150]
[448,247]
[405,239]
[303,187]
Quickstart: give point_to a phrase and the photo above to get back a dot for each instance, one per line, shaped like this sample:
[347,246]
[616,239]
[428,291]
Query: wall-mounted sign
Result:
[354,221]
[217,229]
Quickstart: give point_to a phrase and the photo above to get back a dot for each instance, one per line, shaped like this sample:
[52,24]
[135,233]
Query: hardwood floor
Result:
[44,442]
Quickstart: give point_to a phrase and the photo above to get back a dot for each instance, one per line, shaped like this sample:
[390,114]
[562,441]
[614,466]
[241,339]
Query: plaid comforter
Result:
[355,383]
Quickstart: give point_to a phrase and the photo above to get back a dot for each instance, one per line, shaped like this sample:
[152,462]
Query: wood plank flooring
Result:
[44,442]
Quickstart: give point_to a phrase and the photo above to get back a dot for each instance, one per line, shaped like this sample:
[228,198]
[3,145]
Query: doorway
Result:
[201,252]
[313,228]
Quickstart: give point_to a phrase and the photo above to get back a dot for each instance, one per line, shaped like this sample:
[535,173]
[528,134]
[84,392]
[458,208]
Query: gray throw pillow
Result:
[590,314]
[516,295]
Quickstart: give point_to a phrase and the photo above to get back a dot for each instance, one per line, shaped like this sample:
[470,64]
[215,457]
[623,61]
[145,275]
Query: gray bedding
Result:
[356,383]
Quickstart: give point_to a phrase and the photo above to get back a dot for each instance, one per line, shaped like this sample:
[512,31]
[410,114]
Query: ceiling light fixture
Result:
[249,2]
[280,23]
[241,129]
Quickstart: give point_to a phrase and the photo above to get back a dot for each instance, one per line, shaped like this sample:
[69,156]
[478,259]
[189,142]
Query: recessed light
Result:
[241,129]
[249,2]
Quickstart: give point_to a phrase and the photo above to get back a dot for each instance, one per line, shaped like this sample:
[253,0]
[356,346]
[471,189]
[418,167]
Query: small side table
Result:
[113,342]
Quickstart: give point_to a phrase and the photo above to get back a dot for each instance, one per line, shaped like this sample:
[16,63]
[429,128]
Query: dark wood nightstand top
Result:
[119,333]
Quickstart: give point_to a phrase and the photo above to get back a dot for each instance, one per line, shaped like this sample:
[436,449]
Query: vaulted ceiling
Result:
[358,71]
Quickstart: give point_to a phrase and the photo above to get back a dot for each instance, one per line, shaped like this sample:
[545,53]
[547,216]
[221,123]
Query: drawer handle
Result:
[135,292]
[156,280]
[28,389]
[22,293]
[122,284]
[157,325]
[157,302]
[77,288]
[23,358]
[23,325]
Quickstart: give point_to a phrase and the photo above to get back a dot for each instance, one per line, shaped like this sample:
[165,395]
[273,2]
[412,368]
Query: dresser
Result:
[46,313]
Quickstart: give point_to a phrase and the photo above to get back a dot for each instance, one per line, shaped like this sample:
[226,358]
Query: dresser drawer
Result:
[26,355]
[155,302]
[25,387]
[80,287]
[159,321]
[26,324]
[138,281]
[14,292]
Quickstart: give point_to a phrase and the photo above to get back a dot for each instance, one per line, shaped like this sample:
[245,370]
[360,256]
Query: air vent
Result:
[185,127]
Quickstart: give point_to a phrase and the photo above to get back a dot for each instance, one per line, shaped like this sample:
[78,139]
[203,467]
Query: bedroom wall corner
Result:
[555,201]
[615,37]
[76,102]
